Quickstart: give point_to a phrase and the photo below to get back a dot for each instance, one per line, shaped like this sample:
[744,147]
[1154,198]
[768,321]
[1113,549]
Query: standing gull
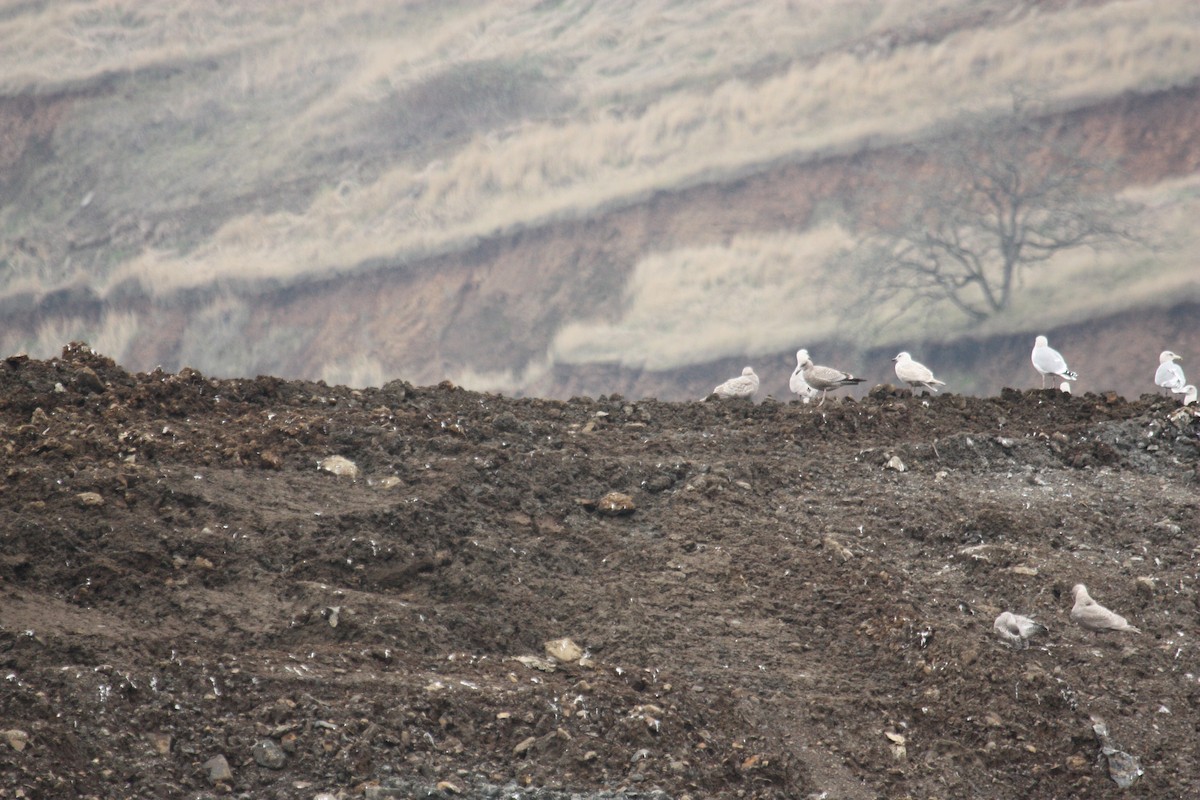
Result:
[1169,375]
[915,373]
[823,378]
[796,383]
[1016,629]
[745,385]
[1049,361]
[1092,616]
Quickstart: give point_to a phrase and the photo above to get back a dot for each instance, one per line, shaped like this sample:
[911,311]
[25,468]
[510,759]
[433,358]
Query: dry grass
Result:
[758,295]
[764,294]
[542,171]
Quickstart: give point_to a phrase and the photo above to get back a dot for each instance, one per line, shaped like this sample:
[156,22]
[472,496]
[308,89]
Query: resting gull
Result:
[1016,629]
[824,378]
[796,383]
[745,385]
[1049,361]
[915,373]
[1092,616]
[1169,375]
[1189,394]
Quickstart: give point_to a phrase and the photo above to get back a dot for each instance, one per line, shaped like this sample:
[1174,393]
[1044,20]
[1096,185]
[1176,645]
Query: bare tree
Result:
[987,207]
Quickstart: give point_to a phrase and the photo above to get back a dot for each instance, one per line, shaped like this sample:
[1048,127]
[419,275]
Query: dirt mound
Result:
[788,600]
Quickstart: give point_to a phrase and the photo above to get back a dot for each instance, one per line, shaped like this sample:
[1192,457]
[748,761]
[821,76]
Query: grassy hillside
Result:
[197,146]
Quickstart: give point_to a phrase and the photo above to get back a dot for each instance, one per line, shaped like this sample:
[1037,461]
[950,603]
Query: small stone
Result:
[200,562]
[162,743]
[615,504]
[524,745]
[1145,585]
[89,381]
[448,787]
[339,465]
[270,459]
[563,650]
[895,463]
[837,548]
[390,482]
[534,662]
[17,739]
[39,418]
[90,498]
[1078,763]
[268,754]
[385,793]
[218,770]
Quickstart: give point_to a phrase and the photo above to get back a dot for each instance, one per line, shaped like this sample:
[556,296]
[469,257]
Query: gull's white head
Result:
[1167,355]
[902,356]
[1041,341]
[748,371]
[1189,394]
[1079,593]
[802,356]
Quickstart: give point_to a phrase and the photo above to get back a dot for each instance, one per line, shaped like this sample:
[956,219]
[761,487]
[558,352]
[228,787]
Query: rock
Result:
[268,754]
[524,746]
[339,465]
[39,418]
[895,463]
[563,650]
[90,498]
[162,743]
[17,739]
[89,382]
[1145,585]
[615,504]
[218,770]
[385,792]
[533,662]
[837,548]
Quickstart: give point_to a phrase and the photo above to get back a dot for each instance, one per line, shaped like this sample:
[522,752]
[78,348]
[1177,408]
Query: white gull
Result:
[915,373]
[824,378]
[1048,361]
[1092,616]
[1169,375]
[745,385]
[796,383]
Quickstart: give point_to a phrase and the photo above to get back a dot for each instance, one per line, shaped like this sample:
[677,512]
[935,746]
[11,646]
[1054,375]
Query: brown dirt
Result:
[779,602]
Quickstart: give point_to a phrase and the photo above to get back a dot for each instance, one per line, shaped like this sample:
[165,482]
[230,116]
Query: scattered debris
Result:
[1123,768]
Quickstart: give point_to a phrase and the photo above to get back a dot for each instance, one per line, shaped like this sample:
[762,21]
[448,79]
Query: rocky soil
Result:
[281,589]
